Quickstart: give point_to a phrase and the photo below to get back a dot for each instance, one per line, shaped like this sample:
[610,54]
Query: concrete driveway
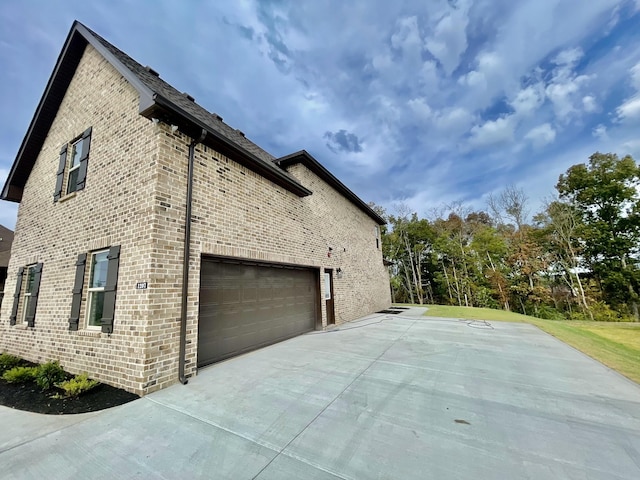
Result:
[388,397]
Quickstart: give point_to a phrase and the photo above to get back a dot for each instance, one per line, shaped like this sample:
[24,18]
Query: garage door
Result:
[244,306]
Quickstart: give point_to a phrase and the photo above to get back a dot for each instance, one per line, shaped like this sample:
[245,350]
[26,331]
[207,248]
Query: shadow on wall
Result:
[6,238]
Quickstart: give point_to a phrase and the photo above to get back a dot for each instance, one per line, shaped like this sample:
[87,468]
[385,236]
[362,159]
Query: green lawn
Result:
[617,345]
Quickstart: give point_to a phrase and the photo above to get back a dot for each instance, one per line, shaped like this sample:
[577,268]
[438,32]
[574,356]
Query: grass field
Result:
[617,345]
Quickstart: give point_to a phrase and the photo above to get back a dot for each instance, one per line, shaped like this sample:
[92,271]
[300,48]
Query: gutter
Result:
[185,264]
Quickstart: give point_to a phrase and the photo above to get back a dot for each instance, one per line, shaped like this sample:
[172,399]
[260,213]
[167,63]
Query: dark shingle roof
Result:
[159,100]
[159,86]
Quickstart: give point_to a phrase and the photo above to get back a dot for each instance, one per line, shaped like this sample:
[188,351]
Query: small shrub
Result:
[78,385]
[578,316]
[49,374]
[549,313]
[7,362]
[603,313]
[20,374]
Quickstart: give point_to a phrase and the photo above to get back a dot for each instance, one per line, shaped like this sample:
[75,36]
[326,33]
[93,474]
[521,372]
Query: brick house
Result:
[153,239]
[6,239]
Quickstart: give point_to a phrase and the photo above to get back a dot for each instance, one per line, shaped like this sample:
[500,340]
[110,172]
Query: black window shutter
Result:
[84,157]
[110,289]
[31,312]
[77,292]
[60,177]
[16,297]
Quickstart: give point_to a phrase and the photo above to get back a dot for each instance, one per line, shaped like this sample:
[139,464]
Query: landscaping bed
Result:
[29,396]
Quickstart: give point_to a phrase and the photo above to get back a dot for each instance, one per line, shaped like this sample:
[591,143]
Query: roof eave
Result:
[307,159]
[239,154]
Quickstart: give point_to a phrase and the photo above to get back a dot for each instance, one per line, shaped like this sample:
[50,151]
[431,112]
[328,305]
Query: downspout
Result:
[185,264]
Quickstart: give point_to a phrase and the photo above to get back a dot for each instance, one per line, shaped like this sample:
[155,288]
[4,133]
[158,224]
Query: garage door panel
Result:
[247,306]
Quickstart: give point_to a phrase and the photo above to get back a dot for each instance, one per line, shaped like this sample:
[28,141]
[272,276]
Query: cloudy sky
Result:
[417,102]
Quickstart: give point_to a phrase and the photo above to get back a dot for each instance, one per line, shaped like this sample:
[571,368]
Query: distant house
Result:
[153,239]
[6,238]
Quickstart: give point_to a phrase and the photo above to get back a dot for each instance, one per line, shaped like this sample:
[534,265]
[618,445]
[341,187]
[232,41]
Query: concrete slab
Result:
[390,396]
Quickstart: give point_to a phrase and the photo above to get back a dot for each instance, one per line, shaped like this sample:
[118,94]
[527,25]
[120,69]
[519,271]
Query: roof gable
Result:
[158,99]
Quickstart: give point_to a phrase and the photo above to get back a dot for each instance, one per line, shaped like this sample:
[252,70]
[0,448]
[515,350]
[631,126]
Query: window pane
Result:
[25,308]
[72,186]
[99,270]
[96,305]
[77,151]
[327,286]
[30,277]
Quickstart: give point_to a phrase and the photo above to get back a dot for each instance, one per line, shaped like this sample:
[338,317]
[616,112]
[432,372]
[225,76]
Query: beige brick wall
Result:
[135,197]
[113,209]
[237,213]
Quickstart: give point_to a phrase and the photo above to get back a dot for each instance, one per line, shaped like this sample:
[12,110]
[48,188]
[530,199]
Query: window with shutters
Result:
[72,166]
[94,290]
[97,282]
[30,273]
[25,299]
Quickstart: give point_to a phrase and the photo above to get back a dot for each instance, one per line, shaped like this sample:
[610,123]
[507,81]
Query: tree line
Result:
[575,259]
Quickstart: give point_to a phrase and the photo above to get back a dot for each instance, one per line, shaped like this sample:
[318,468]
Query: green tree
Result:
[605,193]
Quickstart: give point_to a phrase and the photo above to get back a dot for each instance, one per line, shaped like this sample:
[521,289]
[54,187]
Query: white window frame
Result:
[91,291]
[327,285]
[73,168]
[26,297]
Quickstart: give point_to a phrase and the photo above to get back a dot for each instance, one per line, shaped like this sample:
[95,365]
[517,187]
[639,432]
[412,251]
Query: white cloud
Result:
[541,135]
[600,132]
[407,37]
[589,103]
[528,100]
[428,76]
[420,107]
[449,38]
[453,120]
[563,92]
[489,66]
[382,61]
[493,132]
[629,110]
[569,57]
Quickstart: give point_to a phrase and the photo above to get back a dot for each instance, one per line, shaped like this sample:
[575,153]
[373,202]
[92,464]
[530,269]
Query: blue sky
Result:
[414,102]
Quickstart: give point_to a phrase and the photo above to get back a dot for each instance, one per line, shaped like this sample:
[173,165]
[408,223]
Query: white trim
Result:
[92,290]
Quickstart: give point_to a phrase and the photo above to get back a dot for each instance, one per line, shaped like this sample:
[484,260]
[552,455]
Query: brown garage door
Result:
[244,306]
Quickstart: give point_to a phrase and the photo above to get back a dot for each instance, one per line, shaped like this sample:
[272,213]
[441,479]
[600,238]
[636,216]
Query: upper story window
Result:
[376,232]
[74,165]
[72,168]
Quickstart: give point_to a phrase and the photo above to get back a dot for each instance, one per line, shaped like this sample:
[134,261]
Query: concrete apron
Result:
[388,396]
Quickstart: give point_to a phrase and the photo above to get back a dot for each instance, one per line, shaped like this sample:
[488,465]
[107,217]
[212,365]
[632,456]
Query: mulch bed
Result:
[29,397]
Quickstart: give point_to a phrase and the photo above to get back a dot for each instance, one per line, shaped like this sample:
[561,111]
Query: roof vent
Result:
[189,97]
[240,132]
[151,71]
[217,116]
